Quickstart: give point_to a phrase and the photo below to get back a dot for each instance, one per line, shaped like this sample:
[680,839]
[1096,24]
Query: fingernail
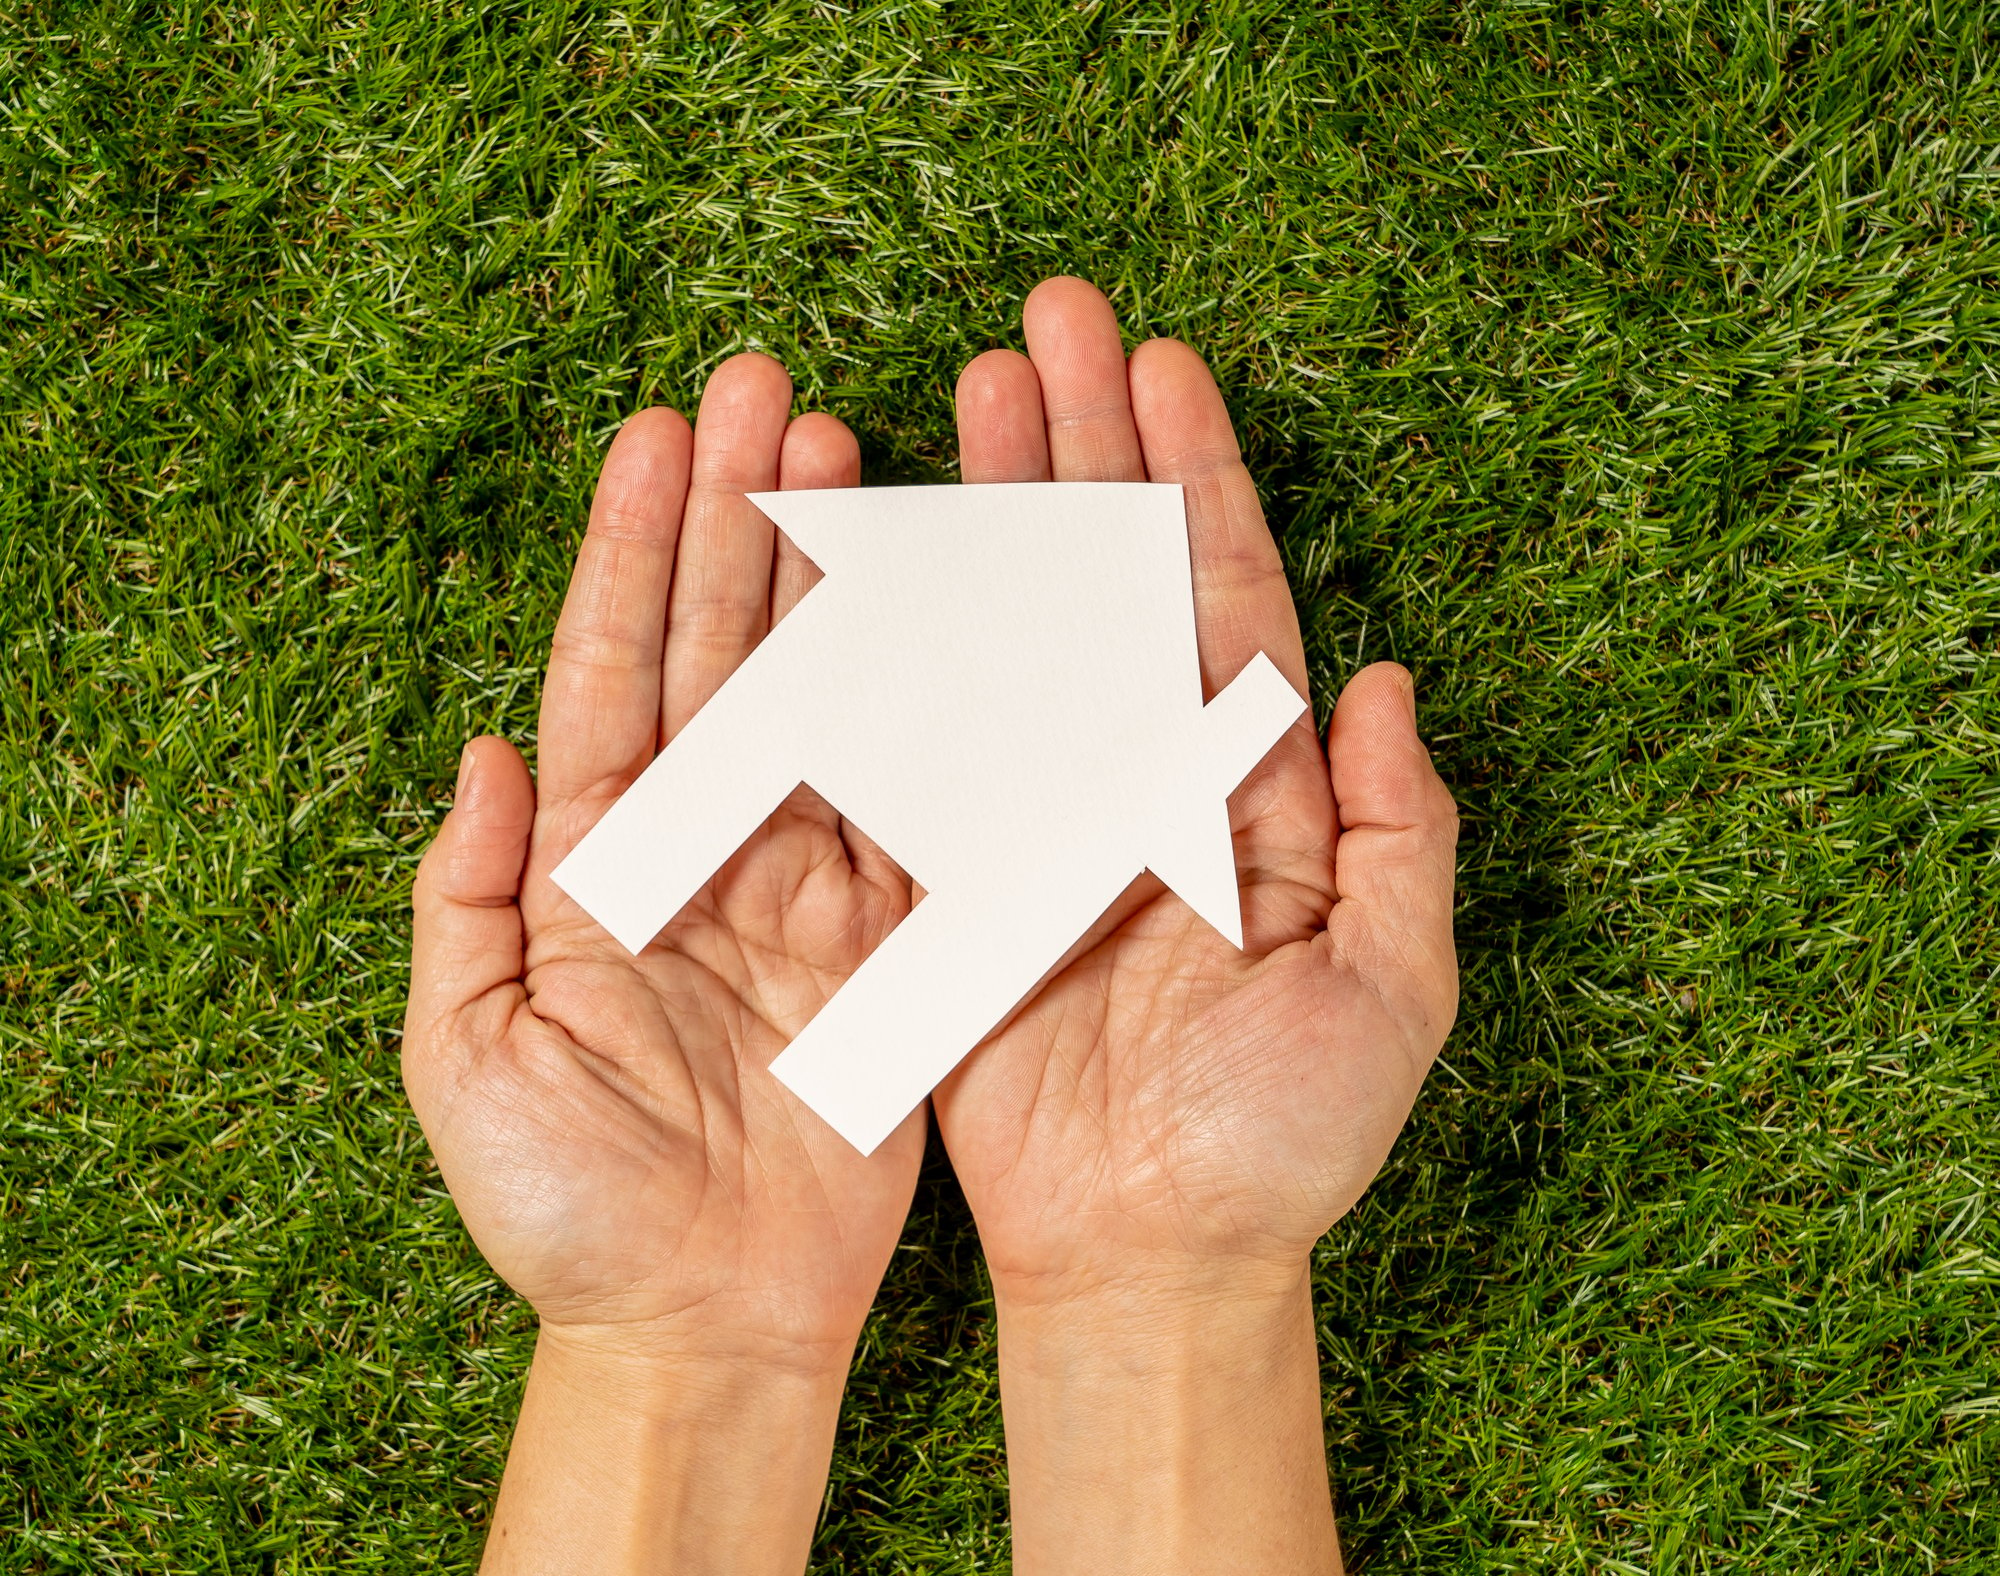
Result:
[464,773]
[1409,683]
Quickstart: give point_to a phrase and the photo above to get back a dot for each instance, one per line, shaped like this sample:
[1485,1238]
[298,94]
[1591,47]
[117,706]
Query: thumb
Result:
[1393,861]
[466,941]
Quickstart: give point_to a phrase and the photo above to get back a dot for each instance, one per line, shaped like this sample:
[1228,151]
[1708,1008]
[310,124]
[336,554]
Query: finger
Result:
[1002,433]
[466,938]
[601,704]
[1072,336]
[721,601]
[1243,602]
[1393,862]
[1283,812]
[818,451]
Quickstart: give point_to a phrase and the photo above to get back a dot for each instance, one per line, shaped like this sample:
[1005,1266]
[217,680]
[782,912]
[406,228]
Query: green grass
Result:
[1626,368]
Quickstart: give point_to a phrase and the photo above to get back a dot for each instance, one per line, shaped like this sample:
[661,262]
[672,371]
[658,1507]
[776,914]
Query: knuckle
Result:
[596,646]
[1203,462]
[1071,411]
[626,520]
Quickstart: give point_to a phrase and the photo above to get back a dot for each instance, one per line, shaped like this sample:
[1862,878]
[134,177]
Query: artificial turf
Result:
[1628,369]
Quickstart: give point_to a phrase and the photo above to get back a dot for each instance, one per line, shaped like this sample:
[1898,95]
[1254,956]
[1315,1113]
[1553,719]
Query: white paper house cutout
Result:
[1000,685]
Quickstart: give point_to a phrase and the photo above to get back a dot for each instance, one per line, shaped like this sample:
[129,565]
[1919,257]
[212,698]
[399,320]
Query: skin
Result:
[1155,1142]
[700,1248]
[1150,1147]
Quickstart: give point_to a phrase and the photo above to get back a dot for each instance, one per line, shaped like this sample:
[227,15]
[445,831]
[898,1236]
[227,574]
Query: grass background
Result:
[1627,368]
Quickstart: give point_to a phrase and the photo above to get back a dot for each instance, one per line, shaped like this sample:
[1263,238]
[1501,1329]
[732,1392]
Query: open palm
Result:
[605,1122]
[1166,1101]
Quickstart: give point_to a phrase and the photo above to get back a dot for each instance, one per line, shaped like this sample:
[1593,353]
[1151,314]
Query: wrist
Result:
[650,1396]
[1167,1422]
[683,1357]
[1247,1323]
[639,1453]
[1149,1288]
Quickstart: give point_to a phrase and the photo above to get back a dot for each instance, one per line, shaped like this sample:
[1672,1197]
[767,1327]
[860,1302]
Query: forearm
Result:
[624,1463]
[1158,1430]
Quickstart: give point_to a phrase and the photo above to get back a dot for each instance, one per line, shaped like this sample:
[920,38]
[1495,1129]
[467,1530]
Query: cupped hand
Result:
[1169,1109]
[604,1122]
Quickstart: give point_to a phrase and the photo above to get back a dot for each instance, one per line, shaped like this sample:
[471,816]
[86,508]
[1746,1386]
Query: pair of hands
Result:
[1169,1123]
